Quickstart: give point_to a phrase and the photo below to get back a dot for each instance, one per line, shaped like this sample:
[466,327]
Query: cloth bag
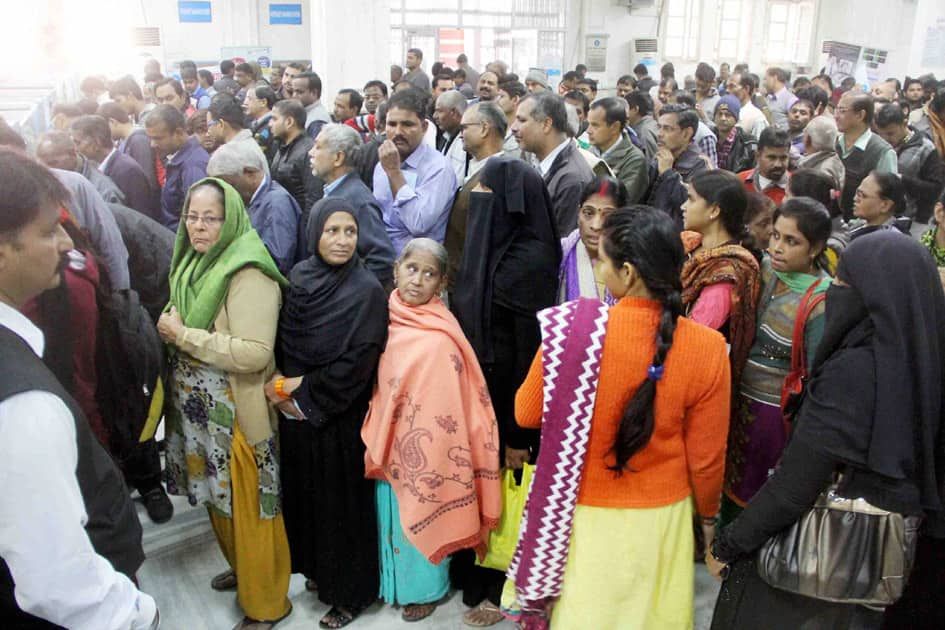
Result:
[842,550]
[502,539]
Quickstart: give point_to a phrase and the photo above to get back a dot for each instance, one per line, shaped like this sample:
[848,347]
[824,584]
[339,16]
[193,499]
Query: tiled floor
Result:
[183,556]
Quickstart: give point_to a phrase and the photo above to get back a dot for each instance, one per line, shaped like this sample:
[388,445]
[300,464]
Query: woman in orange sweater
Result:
[606,540]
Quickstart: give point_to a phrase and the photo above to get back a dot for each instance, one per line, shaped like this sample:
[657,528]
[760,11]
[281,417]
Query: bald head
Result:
[57,150]
[854,112]
[488,88]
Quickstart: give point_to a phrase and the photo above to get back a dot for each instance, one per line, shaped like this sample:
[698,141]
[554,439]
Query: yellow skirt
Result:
[628,569]
[256,548]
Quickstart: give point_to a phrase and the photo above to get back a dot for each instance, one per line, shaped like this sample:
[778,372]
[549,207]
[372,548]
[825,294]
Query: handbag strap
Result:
[798,348]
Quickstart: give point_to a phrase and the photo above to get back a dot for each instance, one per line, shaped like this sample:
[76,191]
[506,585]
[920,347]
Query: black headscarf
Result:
[329,308]
[512,250]
[890,315]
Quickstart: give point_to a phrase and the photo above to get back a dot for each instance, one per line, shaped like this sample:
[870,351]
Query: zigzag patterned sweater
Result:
[686,454]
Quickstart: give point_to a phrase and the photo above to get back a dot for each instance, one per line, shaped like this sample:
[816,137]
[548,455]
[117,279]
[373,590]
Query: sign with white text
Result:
[285,13]
[193,11]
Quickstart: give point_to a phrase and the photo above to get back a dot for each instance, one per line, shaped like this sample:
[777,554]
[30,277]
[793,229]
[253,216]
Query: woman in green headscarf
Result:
[793,263]
[221,443]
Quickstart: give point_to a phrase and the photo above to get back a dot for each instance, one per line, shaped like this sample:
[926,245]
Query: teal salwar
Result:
[407,577]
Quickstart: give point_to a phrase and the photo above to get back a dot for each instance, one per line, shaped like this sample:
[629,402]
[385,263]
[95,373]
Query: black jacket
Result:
[742,156]
[150,247]
[292,168]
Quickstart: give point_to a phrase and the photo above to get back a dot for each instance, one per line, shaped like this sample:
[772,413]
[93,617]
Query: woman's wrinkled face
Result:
[698,214]
[339,239]
[614,277]
[204,218]
[761,227]
[591,217]
[790,250]
[868,203]
[418,277]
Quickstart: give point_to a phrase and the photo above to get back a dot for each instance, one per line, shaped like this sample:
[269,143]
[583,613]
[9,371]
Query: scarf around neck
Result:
[799,282]
[571,348]
[431,432]
[735,265]
[577,277]
[199,282]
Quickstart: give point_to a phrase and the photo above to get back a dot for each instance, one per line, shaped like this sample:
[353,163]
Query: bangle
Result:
[280,392]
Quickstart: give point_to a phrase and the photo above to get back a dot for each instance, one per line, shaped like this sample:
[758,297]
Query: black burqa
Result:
[873,409]
[508,273]
[332,330]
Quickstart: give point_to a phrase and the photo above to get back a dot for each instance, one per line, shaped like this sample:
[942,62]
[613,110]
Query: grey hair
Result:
[233,157]
[452,99]
[430,246]
[490,112]
[340,138]
[822,132]
[549,105]
[574,123]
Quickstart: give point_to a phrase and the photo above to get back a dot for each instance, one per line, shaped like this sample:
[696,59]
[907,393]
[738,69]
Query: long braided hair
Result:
[649,240]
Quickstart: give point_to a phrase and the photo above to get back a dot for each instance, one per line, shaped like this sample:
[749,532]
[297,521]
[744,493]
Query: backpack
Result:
[130,369]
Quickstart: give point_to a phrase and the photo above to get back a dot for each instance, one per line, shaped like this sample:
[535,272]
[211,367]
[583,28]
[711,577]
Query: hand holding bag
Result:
[504,538]
[842,550]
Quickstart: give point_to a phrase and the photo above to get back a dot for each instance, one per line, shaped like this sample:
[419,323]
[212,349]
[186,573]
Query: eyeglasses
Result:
[472,124]
[193,219]
[212,123]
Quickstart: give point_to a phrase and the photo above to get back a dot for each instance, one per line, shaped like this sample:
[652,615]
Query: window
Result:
[525,33]
[789,26]
[734,31]
[681,34]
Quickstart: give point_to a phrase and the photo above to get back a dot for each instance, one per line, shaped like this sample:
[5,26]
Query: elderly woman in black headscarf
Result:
[332,330]
[508,273]
[872,411]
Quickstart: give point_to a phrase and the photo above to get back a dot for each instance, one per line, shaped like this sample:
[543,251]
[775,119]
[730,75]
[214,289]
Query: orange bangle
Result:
[280,383]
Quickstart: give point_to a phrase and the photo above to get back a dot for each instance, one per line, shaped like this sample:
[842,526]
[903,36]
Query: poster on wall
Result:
[842,60]
[933,53]
[189,11]
[595,53]
[875,61]
[260,54]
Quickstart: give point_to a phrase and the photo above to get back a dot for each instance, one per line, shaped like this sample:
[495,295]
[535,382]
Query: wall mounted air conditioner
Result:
[646,51]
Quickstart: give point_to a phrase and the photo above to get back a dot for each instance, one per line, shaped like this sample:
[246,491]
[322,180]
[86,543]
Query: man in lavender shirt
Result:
[413,183]
[779,98]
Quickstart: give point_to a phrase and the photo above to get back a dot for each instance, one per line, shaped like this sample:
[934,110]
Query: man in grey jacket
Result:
[606,121]
[541,127]
[334,160]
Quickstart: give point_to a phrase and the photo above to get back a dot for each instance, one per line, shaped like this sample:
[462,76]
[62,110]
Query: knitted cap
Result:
[731,103]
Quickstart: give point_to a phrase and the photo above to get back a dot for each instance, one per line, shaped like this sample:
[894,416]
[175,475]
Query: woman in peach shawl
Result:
[431,437]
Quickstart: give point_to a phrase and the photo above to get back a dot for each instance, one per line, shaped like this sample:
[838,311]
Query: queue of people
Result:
[689,330]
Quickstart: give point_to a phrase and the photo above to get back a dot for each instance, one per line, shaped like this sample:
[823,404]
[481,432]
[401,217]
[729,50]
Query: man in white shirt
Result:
[69,535]
[448,114]
[751,119]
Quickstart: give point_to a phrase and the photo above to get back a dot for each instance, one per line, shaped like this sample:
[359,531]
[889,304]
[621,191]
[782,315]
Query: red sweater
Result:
[774,193]
[686,454]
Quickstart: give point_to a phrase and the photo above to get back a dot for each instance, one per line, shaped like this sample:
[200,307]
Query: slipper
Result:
[248,623]
[484,615]
[225,581]
[336,618]
[419,612]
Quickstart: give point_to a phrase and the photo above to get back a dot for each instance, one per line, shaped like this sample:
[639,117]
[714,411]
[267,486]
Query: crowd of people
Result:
[365,312]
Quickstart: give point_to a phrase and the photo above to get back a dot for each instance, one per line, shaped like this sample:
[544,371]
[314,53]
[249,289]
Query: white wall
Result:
[235,23]
[898,26]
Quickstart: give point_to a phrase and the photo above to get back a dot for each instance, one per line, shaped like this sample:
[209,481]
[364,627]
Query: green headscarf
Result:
[800,282]
[199,282]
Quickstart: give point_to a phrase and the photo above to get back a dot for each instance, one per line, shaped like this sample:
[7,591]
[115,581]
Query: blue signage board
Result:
[192,11]
[285,13]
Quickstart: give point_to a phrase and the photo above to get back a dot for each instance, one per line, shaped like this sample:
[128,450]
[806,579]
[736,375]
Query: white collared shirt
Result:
[766,183]
[545,165]
[59,577]
[108,158]
[476,165]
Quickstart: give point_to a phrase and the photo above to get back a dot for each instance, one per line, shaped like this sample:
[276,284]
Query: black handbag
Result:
[843,550]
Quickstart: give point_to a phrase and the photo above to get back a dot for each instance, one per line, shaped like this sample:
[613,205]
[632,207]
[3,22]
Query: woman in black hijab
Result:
[873,411]
[332,330]
[508,273]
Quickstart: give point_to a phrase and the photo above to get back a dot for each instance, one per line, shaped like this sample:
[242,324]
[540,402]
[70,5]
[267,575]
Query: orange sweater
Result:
[686,454]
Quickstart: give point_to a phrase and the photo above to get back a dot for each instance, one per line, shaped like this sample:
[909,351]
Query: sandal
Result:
[416,612]
[248,623]
[484,615]
[226,581]
[339,617]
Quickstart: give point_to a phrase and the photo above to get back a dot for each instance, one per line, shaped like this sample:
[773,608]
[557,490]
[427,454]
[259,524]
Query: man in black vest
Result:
[860,150]
[71,539]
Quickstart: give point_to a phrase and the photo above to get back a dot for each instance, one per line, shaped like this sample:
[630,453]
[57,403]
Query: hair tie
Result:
[655,373]
[834,194]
